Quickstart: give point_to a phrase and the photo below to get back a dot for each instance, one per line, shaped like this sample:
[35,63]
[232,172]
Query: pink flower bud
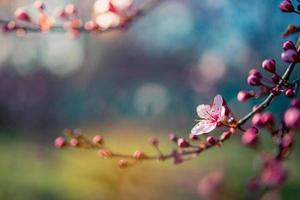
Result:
[262,119]
[10,26]
[255,72]
[225,135]
[60,142]
[275,78]
[289,92]
[286,6]
[154,141]
[139,155]
[172,137]
[257,119]
[182,143]
[295,103]
[105,153]
[290,56]
[211,140]
[98,139]
[193,137]
[269,65]
[91,26]
[253,80]
[61,14]
[288,45]
[275,91]
[123,163]
[70,9]
[267,118]
[245,95]
[250,137]
[74,142]
[292,117]
[22,15]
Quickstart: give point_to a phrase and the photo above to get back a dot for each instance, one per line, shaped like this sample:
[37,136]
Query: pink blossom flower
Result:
[60,142]
[210,116]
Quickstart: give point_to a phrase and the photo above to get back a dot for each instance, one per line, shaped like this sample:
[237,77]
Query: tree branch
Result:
[190,150]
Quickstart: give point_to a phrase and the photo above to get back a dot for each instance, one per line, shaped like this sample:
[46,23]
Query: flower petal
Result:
[217,108]
[203,111]
[204,126]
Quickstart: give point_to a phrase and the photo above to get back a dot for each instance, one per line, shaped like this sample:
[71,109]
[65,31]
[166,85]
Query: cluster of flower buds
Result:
[208,141]
[267,85]
[186,148]
[72,22]
[290,54]
[288,6]
[22,16]
[263,119]
[196,143]
[272,171]
[74,138]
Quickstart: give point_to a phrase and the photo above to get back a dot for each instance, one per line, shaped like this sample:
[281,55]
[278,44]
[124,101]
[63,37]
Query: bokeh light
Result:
[151,99]
[62,56]
[173,30]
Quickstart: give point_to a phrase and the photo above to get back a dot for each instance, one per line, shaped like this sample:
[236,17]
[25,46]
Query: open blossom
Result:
[210,116]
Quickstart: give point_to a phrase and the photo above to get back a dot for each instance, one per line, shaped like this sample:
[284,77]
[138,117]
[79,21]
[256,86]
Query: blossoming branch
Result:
[107,15]
[268,85]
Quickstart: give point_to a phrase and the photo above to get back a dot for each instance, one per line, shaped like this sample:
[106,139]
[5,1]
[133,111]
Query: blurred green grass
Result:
[38,171]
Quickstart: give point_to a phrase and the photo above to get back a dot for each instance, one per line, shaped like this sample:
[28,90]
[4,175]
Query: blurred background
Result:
[130,85]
